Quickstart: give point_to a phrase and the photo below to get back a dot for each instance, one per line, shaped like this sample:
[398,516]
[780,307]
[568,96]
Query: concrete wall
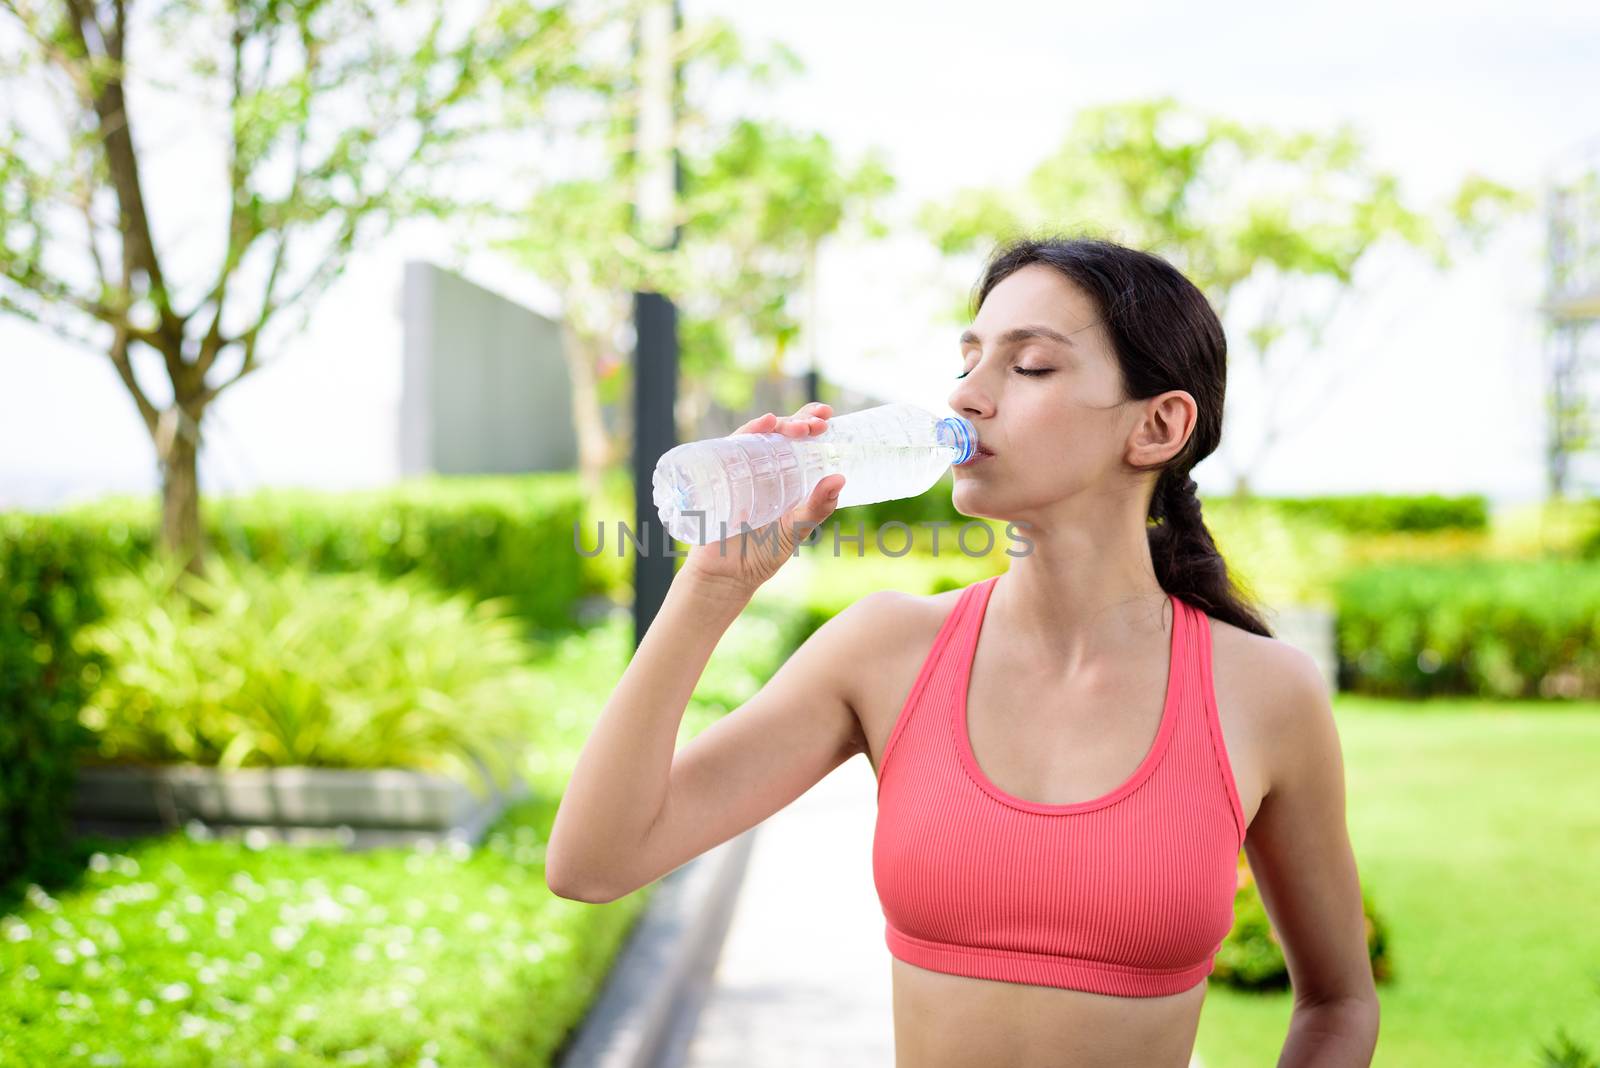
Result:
[485,389]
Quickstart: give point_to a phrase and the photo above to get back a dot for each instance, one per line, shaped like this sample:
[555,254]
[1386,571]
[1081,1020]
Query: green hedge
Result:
[1369,513]
[494,536]
[45,597]
[1488,628]
[1372,513]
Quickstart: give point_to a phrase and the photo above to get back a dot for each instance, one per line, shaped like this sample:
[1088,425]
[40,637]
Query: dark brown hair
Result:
[1165,336]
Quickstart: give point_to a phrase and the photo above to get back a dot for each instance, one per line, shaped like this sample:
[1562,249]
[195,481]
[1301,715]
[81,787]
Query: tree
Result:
[1292,213]
[338,118]
[757,200]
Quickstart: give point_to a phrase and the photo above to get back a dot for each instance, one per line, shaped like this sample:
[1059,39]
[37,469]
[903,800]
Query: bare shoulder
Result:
[885,635]
[1271,697]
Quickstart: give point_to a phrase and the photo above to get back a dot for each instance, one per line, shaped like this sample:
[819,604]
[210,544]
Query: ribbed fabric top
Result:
[1130,893]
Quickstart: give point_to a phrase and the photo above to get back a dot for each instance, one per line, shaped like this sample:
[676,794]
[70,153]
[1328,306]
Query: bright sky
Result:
[1442,388]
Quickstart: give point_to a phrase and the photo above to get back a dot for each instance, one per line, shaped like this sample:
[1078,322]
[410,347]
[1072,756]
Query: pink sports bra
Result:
[1129,894]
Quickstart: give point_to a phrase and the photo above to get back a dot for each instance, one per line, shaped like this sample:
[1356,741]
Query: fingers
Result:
[810,419]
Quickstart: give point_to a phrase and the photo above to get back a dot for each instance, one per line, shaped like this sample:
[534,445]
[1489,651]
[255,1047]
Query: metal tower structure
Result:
[1572,318]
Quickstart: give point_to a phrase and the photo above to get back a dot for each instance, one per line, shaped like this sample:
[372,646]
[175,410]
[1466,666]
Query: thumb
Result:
[824,499]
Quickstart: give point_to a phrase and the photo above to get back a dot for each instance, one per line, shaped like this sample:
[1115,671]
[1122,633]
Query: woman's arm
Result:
[619,782]
[1299,851]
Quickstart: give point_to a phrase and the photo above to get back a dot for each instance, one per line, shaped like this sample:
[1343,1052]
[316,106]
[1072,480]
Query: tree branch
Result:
[116,137]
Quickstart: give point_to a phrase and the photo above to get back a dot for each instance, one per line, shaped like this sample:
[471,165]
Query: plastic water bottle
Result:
[885,453]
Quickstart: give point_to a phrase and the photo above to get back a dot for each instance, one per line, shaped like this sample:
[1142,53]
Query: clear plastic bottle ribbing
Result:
[885,453]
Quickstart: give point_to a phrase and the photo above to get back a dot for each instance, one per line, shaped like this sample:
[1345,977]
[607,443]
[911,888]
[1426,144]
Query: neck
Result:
[1085,592]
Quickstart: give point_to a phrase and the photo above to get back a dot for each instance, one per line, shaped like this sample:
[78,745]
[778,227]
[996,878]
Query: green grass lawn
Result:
[1476,826]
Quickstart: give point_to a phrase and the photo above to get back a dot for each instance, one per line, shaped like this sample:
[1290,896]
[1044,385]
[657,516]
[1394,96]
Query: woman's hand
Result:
[745,561]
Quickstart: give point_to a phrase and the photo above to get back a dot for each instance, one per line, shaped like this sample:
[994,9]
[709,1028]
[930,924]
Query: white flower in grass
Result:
[362,953]
[15,930]
[305,1013]
[145,1006]
[87,948]
[30,973]
[284,1044]
[286,938]
[125,866]
[99,863]
[107,1059]
[315,958]
[175,991]
[256,839]
[63,954]
[194,903]
[40,900]
[178,933]
[79,1049]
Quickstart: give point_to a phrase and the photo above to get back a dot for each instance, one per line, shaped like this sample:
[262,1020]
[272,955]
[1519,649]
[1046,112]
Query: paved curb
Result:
[646,1011]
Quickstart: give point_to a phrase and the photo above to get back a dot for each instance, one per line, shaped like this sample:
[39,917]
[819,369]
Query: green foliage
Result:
[45,596]
[1375,513]
[1489,628]
[758,198]
[1251,957]
[282,668]
[1292,213]
[179,949]
[495,536]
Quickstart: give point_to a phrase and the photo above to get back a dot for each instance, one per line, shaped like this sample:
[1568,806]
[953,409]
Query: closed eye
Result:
[1032,372]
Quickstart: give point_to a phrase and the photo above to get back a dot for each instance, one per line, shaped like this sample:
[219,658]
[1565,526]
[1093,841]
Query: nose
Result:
[969,399]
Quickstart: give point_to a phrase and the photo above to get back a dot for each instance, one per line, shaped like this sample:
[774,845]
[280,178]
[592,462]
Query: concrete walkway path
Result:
[803,979]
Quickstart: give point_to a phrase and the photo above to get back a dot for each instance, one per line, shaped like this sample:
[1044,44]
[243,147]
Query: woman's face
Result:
[1051,410]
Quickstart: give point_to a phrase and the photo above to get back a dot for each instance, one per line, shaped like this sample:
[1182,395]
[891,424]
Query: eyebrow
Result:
[1023,333]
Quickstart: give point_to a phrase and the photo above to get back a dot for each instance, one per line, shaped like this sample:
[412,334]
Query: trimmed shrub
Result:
[1488,628]
[494,536]
[45,596]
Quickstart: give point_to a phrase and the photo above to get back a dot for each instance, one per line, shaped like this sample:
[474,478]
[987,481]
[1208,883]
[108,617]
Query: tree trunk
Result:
[178,449]
[594,447]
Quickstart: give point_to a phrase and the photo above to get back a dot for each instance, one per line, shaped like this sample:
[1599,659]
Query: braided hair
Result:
[1164,336]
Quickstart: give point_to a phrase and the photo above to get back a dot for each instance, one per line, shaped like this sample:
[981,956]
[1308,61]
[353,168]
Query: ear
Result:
[1162,428]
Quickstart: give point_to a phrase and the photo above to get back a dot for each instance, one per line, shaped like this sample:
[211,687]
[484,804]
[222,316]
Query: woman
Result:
[1069,754]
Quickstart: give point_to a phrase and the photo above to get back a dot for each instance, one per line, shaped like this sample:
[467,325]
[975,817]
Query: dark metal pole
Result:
[655,366]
